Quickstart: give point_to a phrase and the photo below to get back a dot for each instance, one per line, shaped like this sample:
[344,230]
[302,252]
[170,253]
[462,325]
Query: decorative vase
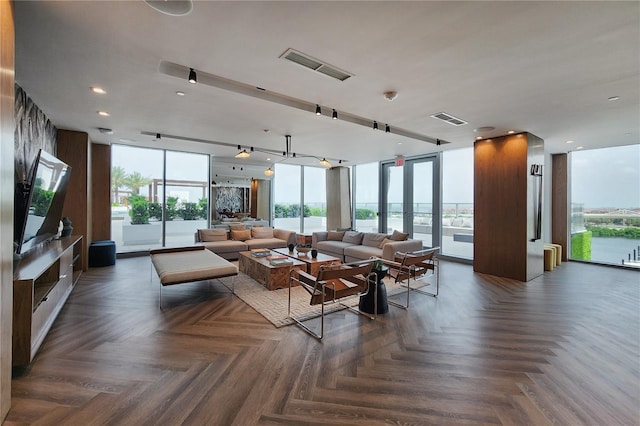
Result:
[291,247]
[314,253]
[67,227]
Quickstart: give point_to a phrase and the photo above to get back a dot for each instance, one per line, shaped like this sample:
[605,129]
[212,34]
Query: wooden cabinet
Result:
[42,282]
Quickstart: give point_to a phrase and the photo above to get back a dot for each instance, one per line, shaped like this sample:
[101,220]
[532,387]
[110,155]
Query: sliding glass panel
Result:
[605,205]
[457,203]
[133,170]
[286,197]
[366,197]
[393,211]
[421,213]
[315,199]
[186,203]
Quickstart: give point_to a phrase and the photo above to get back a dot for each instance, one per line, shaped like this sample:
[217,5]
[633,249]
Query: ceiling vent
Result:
[315,64]
[454,121]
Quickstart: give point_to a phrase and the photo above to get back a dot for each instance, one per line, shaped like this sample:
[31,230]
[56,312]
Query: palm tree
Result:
[135,181]
[118,178]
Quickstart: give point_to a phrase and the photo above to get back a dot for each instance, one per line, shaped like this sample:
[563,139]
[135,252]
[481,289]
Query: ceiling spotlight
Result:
[193,79]
[105,131]
[334,115]
[243,154]
[438,142]
[318,110]
[268,172]
[387,129]
[375,125]
[390,95]
[339,161]
[324,161]
[179,93]
[99,90]
[103,113]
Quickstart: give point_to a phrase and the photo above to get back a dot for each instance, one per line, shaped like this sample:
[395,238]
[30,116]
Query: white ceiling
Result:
[548,68]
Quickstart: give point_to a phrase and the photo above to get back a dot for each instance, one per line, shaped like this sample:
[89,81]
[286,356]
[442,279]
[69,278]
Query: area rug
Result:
[273,304]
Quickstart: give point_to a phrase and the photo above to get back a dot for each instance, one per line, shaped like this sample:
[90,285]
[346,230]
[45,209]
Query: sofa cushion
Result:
[333,247]
[385,241]
[399,236]
[212,234]
[335,235]
[261,232]
[240,235]
[352,237]
[265,243]
[373,239]
[361,252]
[236,226]
[228,246]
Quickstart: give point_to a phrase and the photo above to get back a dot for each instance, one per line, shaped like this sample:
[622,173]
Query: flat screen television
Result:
[39,202]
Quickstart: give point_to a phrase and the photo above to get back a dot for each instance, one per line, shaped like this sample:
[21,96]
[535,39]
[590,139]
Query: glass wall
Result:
[138,197]
[457,203]
[315,199]
[286,197]
[605,205]
[366,183]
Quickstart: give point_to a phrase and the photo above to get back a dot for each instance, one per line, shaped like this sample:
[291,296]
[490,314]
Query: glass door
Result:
[411,199]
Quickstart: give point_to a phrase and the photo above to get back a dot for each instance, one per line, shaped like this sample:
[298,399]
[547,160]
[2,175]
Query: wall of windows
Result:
[158,197]
[314,199]
[287,196]
[457,203]
[605,205]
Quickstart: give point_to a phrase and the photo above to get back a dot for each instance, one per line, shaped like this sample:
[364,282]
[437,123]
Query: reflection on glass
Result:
[605,205]
[423,202]
[366,197]
[394,196]
[286,197]
[457,203]
[315,199]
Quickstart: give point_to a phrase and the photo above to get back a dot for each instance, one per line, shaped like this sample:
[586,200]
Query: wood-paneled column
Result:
[101,191]
[74,148]
[506,207]
[560,202]
[7,187]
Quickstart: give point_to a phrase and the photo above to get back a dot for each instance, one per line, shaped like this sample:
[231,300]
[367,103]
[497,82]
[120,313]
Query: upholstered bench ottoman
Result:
[189,264]
[102,253]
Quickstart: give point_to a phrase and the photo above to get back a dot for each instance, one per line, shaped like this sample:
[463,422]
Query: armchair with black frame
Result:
[333,284]
[416,266]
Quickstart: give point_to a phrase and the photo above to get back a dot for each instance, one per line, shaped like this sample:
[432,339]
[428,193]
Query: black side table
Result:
[367,302]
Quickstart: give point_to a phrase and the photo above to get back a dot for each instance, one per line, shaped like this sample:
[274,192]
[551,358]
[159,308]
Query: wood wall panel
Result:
[559,202]
[101,192]
[503,201]
[7,127]
[253,203]
[74,148]
[338,198]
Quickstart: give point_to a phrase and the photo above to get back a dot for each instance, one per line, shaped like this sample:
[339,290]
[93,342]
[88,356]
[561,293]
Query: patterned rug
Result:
[273,305]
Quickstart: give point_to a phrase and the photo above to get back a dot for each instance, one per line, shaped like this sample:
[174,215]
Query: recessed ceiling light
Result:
[268,158]
[127,140]
[510,132]
[578,147]
[478,137]
[99,90]
[484,129]
[399,143]
[103,113]
[105,131]
[613,98]
[569,141]
[179,93]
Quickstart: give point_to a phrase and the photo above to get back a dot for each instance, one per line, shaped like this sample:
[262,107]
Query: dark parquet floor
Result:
[560,349]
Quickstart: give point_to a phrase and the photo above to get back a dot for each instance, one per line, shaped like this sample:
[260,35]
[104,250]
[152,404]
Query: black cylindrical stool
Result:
[102,253]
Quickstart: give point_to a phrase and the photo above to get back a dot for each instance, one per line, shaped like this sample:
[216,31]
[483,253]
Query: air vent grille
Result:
[315,64]
[454,121]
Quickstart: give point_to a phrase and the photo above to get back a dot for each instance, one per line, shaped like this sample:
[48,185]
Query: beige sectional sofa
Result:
[351,246]
[228,244]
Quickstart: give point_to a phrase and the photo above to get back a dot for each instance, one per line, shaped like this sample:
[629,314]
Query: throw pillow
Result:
[352,237]
[241,235]
[261,232]
[335,236]
[399,236]
[373,239]
[207,235]
[385,241]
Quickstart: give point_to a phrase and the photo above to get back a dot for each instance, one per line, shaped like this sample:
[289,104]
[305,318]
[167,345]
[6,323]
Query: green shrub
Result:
[139,211]
[581,246]
[599,231]
[189,211]
[171,210]
[365,214]
[155,210]
[317,212]
[202,208]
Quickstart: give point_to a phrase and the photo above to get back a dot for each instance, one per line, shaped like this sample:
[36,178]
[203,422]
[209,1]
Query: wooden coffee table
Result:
[312,265]
[272,277]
